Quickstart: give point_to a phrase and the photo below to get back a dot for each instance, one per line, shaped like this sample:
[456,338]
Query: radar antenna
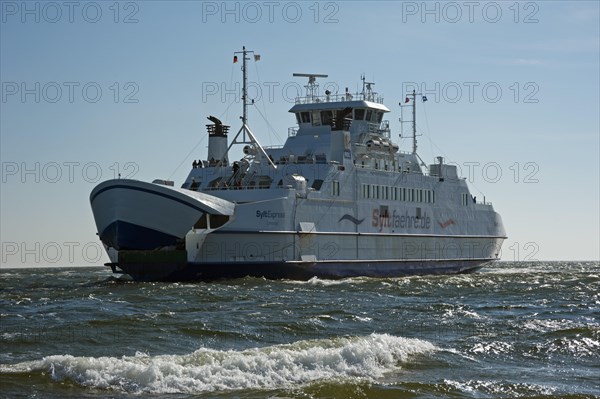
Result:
[312,86]
[367,89]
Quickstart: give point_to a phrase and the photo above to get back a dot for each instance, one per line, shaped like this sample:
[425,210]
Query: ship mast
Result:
[244,84]
[414,95]
[245,129]
[414,121]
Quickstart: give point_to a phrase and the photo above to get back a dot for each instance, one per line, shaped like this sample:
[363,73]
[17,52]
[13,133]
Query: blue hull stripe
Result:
[128,236]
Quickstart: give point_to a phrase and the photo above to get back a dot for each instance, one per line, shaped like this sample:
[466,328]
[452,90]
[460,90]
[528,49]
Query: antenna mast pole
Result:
[414,95]
[245,104]
[362,77]
[414,121]
[244,86]
[245,129]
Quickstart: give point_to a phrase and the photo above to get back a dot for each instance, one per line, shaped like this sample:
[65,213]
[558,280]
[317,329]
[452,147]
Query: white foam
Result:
[207,370]
[328,282]
[460,311]
[495,348]
[581,347]
[546,325]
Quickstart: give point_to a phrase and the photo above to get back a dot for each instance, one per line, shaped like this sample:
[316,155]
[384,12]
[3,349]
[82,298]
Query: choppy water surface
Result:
[512,330]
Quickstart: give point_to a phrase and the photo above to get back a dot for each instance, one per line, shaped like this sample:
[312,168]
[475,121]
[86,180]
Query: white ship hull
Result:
[293,255]
[258,242]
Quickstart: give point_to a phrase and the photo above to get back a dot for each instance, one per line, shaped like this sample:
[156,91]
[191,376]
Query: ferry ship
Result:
[339,199]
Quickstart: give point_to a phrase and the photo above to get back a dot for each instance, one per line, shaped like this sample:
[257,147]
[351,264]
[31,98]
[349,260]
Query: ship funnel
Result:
[217,142]
[218,128]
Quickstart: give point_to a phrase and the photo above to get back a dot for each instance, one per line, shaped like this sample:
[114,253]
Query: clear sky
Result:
[93,89]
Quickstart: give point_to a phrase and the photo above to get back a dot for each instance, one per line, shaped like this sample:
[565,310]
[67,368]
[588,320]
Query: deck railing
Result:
[372,97]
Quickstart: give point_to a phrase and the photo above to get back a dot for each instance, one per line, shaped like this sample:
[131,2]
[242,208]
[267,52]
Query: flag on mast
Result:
[234,59]
[406,100]
[424,98]
[256,57]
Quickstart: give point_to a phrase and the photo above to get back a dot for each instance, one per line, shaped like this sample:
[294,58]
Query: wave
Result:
[576,343]
[579,347]
[207,370]
[499,388]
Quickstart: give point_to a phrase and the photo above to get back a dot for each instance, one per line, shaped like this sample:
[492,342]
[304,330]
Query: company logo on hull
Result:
[352,219]
[383,219]
[270,215]
[446,223]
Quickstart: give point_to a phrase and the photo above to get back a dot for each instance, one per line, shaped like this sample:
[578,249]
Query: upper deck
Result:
[368,96]
[330,101]
[324,103]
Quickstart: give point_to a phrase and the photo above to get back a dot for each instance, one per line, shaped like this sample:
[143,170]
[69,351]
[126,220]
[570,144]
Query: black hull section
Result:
[173,267]
[121,235]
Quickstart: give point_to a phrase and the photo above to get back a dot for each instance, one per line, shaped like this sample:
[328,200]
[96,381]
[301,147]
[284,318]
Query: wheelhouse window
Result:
[379,117]
[369,115]
[359,114]
[326,117]
[316,118]
[305,117]
[298,118]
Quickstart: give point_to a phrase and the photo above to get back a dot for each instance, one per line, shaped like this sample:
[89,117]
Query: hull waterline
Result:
[171,270]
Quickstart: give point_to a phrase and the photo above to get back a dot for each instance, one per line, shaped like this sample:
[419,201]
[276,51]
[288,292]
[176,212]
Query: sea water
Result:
[510,330]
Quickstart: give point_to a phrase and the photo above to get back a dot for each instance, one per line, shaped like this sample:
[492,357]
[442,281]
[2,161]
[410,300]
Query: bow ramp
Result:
[135,215]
